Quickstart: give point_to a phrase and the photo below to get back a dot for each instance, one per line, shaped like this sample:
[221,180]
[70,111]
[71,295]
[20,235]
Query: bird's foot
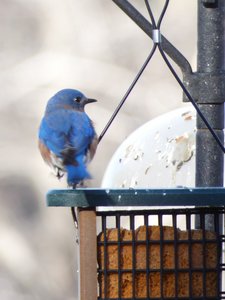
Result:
[80,184]
[59,174]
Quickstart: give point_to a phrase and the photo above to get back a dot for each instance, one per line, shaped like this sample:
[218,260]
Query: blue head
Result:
[68,99]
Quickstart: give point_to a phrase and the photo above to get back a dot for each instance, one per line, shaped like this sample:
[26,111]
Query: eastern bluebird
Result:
[67,138]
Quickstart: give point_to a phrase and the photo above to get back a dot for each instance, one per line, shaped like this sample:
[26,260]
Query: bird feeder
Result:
[152,252]
[154,243]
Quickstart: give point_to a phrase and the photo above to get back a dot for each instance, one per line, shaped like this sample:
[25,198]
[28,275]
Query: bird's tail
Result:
[77,173]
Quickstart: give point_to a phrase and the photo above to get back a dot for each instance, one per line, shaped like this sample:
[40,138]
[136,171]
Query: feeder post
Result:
[210,70]
[210,83]
[87,253]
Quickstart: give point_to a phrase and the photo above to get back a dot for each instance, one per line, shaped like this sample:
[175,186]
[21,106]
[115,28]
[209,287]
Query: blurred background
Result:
[88,45]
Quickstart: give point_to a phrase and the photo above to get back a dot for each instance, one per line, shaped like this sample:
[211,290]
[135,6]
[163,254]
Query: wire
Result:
[141,70]
[127,93]
[73,212]
[191,99]
[157,43]
[162,14]
[150,14]
[177,77]
[154,26]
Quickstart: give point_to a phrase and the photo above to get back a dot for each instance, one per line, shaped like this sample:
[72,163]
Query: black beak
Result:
[90,100]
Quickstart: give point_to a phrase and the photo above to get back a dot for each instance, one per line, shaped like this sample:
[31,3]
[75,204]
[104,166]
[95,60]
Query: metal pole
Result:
[210,72]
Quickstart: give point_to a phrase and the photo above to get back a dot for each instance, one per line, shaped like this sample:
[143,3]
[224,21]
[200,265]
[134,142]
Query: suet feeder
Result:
[143,242]
[153,251]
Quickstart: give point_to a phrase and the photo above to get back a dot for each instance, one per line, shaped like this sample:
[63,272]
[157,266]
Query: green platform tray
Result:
[92,197]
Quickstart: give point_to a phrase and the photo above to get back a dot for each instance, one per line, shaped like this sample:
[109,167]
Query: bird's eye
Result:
[77,99]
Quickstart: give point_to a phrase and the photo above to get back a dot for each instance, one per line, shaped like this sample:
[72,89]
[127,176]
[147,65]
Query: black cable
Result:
[175,74]
[150,14]
[73,212]
[158,44]
[154,26]
[191,99]
[162,14]
[146,26]
[141,70]
[127,93]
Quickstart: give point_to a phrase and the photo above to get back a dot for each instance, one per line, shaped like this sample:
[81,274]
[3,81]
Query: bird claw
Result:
[59,174]
[80,184]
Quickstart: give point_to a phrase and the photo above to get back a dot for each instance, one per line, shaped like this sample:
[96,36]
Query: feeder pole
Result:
[209,87]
